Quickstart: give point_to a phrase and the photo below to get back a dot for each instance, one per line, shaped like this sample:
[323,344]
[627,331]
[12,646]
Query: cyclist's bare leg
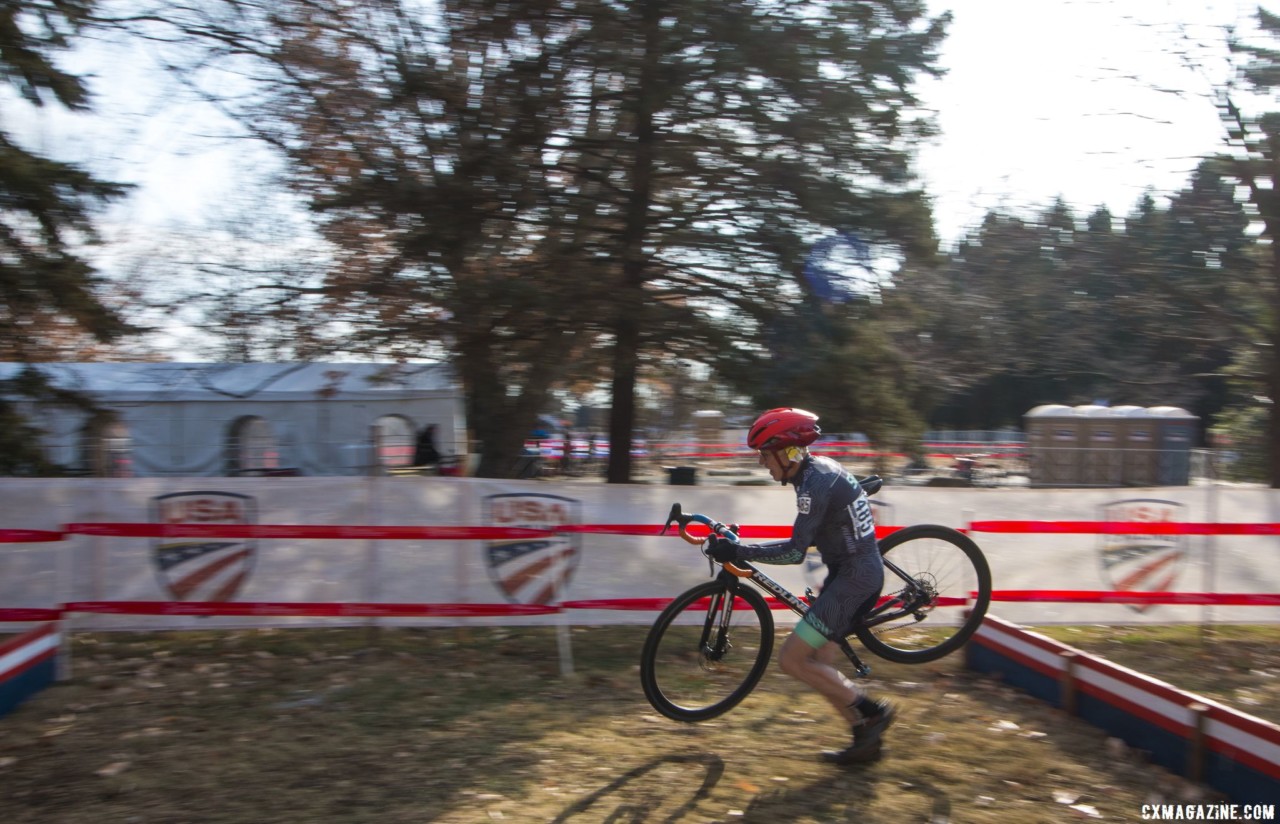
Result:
[815,668]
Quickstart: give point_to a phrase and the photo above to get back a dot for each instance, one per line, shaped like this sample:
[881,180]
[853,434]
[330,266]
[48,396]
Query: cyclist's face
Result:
[774,461]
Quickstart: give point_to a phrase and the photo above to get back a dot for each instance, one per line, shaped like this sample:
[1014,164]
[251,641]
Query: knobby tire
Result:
[680,678]
[954,565]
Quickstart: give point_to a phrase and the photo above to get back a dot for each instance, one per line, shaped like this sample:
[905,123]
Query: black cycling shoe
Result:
[867,744]
[869,729]
[855,753]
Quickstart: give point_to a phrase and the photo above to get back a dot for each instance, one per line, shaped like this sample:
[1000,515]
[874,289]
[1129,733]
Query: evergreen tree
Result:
[1055,310]
[47,289]
[544,191]
[50,296]
[1258,168]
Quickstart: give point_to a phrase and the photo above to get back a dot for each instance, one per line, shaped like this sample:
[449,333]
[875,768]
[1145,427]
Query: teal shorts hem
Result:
[810,635]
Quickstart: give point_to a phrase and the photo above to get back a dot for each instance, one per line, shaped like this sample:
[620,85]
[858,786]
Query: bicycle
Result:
[710,646]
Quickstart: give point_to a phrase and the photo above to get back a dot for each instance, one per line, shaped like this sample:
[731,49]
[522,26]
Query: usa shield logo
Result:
[1142,563]
[203,569]
[533,570]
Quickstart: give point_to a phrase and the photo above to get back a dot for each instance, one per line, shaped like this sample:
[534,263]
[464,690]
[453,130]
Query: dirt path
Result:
[478,726]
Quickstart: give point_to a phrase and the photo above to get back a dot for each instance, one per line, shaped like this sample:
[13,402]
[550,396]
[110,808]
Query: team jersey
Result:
[833,513]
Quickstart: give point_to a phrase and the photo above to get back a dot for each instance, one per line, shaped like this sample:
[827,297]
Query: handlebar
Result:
[676,516]
[870,484]
[682,521]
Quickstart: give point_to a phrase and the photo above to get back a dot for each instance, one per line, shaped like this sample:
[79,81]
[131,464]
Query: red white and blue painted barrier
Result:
[1230,751]
[28,663]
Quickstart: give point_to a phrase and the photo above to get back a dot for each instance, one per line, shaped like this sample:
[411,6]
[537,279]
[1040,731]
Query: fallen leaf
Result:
[114,768]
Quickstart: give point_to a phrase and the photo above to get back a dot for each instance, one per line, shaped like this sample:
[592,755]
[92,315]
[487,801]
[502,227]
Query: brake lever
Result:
[675,516]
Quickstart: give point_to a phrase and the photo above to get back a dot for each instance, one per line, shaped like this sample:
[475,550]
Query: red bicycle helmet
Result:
[783,427]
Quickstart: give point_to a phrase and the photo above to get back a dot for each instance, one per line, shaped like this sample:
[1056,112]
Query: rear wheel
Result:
[707,651]
[945,576]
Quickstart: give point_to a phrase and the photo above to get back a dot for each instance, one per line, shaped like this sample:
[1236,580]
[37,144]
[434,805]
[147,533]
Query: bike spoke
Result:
[935,572]
[699,661]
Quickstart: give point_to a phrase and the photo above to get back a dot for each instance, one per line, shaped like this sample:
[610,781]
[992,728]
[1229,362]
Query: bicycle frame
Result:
[888,609]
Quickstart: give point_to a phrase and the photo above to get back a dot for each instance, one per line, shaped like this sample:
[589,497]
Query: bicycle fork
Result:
[715,630]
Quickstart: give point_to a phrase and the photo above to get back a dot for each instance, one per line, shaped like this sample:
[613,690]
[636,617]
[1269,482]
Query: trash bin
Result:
[683,475]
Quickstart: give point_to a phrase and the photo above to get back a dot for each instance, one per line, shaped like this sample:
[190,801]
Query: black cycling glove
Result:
[723,550]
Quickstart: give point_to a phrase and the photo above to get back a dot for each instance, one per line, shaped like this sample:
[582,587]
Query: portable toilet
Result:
[708,430]
[1139,447]
[1175,432]
[1101,460]
[1053,440]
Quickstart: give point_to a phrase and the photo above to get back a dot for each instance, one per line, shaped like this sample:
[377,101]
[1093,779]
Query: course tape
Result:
[1123,528]
[1130,597]
[489,533]
[349,532]
[368,610]
[313,609]
[25,615]
[358,532]
[28,536]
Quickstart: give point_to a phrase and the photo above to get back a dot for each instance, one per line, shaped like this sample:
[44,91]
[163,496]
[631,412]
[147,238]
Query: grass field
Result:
[477,725]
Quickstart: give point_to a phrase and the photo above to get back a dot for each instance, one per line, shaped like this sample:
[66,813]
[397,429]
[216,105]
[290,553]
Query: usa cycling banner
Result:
[454,542]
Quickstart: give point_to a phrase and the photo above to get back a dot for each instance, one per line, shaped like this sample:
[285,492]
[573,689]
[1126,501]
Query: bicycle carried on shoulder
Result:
[711,645]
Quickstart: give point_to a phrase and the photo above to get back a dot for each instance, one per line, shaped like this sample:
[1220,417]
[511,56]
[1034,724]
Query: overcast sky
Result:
[1092,100]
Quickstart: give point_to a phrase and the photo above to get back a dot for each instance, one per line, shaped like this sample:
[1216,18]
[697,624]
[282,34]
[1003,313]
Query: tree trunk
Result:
[622,415]
[631,300]
[1273,359]
[498,424]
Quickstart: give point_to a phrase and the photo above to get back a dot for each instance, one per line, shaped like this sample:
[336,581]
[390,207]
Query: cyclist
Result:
[834,514]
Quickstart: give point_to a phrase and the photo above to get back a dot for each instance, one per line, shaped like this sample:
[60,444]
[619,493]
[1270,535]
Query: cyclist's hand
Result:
[722,549]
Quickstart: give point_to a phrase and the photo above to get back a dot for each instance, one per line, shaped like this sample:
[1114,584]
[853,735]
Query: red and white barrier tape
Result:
[305,531]
[313,609]
[1122,528]
[483,533]
[28,536]
[1239,599]
[350,610]
[357,532]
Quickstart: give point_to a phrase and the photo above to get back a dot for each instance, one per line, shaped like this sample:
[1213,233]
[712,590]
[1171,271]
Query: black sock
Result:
[867,707]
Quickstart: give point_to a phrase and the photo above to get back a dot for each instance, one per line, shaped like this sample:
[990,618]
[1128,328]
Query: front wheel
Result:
[944,576]
[707,651]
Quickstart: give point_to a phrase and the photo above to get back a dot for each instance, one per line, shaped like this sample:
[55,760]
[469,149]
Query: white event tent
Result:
[219,419]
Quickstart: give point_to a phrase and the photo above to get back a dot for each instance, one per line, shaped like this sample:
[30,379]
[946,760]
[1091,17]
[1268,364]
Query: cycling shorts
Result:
[848,594]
